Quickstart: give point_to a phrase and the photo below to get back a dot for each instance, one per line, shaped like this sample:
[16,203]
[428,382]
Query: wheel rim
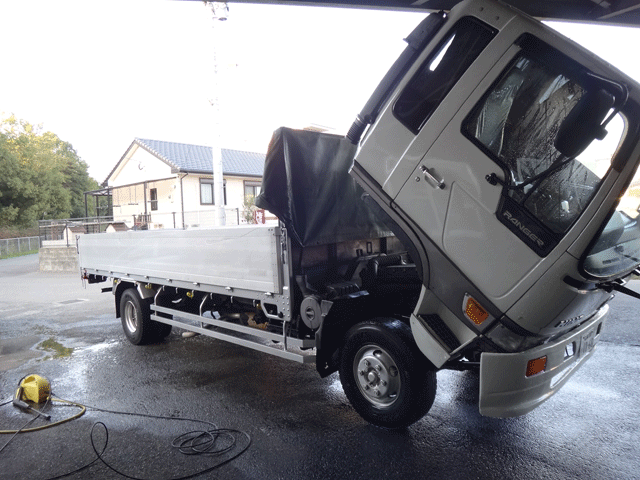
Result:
[377,375]
[131,317]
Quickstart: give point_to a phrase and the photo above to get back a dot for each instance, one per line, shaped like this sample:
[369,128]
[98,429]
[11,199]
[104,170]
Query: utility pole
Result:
[220,12]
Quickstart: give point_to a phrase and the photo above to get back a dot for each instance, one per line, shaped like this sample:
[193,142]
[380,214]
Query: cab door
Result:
[480,193]
[450,200]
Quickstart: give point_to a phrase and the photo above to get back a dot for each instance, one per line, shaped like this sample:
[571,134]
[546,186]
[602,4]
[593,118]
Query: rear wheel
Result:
[385,377]
[162,329]
[136,320]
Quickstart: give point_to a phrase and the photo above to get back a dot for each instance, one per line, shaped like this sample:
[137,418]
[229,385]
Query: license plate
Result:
[588,342]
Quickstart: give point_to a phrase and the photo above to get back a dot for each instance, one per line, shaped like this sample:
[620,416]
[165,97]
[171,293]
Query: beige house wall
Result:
[234,187]
[139,166]
[129,201]
[172,190]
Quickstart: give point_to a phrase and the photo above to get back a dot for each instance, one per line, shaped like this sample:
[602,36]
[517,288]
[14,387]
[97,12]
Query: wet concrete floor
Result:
[301,426]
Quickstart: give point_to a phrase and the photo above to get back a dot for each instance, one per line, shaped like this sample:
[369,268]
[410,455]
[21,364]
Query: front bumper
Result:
[506,391]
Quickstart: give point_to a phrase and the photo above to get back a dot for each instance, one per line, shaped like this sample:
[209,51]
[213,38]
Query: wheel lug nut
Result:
[361,373]
[377,392]
[383,383]
[366,387]
[379,368]
[366,362]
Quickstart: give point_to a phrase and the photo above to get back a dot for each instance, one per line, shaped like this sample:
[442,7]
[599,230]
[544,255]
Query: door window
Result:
[428,87]
[153,192]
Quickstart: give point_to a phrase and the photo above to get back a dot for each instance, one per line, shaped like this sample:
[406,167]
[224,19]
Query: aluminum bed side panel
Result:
[236,257]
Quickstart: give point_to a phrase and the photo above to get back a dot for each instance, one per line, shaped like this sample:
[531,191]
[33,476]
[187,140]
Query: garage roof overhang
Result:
[612,12]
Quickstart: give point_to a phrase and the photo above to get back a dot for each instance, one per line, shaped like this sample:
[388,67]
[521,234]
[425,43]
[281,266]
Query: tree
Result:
[249,208]
[12,184]
[42,176]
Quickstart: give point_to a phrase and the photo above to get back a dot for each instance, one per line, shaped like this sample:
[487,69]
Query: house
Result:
[61,233]
[71,231]
[159,184]
[116,227]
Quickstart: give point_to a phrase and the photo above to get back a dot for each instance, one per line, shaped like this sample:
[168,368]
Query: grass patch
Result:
[18,254]
[59,351]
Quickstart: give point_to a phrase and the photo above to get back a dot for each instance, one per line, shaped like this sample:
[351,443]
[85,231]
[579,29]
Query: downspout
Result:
[182,199]
[110,202]
[145,201]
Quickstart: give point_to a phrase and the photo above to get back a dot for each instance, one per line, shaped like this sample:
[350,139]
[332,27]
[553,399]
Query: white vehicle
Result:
[494,211]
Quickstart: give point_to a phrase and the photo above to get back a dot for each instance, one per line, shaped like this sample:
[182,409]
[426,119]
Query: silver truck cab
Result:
[503,155]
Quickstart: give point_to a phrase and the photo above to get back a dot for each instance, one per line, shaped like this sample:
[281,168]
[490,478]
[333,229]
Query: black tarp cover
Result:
[307,185]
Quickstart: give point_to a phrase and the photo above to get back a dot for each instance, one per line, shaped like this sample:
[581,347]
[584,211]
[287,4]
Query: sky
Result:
[99,74]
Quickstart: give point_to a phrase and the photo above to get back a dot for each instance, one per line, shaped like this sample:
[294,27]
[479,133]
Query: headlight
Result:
[511,341]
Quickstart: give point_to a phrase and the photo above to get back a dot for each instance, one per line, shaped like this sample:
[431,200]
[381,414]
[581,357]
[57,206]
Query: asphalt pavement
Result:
[299,425]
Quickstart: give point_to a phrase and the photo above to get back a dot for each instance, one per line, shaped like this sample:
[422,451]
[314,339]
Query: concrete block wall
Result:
[58,259]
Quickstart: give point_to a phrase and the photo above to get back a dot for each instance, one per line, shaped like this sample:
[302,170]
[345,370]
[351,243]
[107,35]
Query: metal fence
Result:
[13,246]
[192,219]
[63,231]
[232,216]
[207,218]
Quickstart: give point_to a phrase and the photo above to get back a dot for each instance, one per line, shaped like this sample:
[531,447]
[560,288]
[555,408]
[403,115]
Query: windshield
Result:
[617,249]
[516,123]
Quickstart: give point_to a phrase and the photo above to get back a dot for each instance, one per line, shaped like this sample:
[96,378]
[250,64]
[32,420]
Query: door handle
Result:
[429,176]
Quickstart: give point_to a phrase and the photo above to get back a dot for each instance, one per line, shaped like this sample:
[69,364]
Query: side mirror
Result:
[584,123]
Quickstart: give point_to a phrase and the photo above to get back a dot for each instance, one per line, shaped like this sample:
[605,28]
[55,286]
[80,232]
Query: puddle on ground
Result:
[57,349]
[98,347]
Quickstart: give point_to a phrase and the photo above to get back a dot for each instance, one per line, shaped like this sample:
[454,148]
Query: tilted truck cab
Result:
[491,211]
[475,154]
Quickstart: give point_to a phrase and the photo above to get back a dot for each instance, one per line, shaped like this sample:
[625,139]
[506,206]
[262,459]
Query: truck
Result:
[480,214]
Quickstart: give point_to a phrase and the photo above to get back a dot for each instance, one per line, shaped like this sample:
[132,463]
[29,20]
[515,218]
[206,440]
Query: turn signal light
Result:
[536,366]
[474,312]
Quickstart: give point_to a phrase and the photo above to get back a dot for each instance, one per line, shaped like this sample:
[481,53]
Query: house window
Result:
[153,194]
[252,189]
[206,191]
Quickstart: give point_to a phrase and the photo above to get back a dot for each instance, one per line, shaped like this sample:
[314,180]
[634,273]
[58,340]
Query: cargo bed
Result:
[241,258]
[246,264]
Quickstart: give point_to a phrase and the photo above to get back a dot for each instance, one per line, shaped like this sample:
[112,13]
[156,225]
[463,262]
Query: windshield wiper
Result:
[493,179]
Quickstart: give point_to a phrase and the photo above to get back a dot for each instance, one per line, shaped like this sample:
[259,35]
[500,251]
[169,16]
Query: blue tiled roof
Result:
[197,158]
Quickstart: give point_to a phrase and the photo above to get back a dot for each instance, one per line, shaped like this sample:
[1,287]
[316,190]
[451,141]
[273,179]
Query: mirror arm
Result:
[613,286]
[621,100]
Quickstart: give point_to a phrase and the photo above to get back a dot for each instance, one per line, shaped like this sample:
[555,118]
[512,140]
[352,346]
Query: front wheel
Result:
[384,375]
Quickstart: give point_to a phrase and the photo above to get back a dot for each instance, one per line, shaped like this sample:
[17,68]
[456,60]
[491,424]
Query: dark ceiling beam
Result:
[410,5]
[611,12]
[621,8]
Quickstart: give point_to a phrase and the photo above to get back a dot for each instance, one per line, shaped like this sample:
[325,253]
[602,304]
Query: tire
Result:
[162,329]
[385,377]
[136,318]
